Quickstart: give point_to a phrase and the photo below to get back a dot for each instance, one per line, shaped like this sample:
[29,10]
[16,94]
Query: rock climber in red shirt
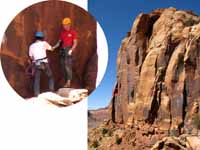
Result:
[68,42]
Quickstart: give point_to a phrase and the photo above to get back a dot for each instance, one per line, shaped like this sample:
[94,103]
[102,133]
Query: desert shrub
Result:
[133,144]
[104,131]
[118,140]
[196,121]
[95,144]
[174,132]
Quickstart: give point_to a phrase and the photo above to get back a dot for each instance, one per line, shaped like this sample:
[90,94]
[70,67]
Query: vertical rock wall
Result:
[158,73]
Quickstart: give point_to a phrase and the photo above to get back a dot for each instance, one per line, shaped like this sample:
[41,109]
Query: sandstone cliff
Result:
[47,17]
[157,92]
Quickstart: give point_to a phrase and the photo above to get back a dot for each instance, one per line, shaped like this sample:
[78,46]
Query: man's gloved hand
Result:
[70,52]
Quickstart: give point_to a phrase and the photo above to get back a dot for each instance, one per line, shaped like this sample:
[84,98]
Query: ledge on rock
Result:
[63,97]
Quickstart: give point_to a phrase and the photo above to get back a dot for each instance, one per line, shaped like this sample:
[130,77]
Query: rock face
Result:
[193,142]
[73,94]
[158,75]
[70,97]
[171,143]
[184,142]
[47,17]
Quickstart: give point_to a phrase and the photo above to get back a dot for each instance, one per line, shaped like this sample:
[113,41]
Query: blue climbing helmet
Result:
[39,34]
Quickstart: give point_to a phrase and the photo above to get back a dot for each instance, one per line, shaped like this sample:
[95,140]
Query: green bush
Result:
[118,140]
[174,132]
[95,144]
[196,121]
[133,144]
[104,131]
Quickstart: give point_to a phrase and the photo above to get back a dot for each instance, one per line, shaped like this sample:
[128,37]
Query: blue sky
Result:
[116,18]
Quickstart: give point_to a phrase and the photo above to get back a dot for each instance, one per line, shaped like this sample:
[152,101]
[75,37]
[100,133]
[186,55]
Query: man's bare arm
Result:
[75,42]
[57,44]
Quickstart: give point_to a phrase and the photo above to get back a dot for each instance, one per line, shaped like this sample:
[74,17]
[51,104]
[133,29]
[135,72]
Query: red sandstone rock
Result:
[158,76]
[158,67]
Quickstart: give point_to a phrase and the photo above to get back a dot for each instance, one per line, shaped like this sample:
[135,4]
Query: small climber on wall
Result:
[68,42]
[37,53]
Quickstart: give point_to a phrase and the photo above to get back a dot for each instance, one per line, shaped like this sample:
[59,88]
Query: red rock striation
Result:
[158,76]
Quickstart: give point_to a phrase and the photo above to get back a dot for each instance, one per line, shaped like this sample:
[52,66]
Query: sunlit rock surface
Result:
[64,97]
